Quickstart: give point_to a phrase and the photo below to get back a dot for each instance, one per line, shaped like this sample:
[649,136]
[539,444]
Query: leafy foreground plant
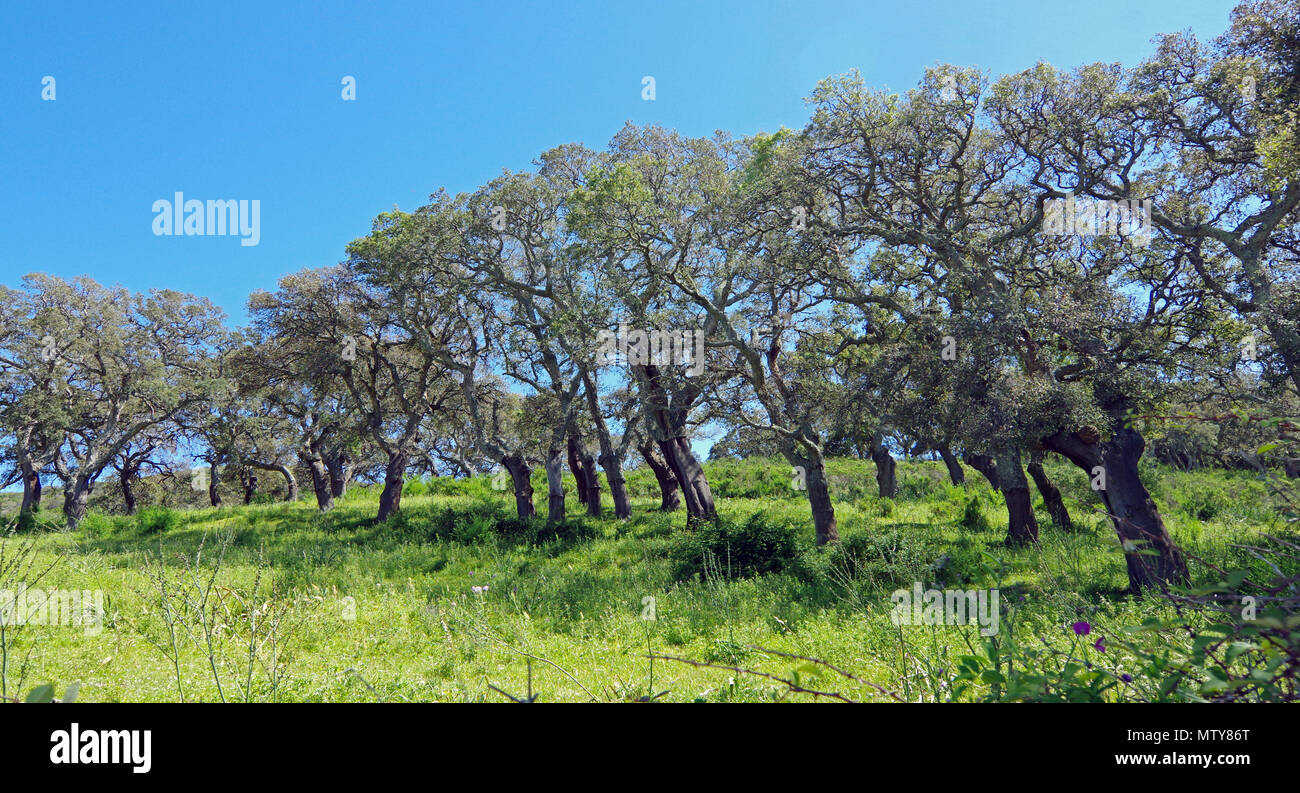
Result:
[1234,640]
[45,694]
[1225,645]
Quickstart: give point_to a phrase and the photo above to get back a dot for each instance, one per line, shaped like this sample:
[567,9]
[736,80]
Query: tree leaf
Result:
[43,693]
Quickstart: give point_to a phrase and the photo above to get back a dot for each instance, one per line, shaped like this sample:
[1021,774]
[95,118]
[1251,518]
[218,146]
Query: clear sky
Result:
[243,100]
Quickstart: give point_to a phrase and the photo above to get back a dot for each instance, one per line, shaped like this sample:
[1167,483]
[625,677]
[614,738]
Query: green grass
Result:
[388,612]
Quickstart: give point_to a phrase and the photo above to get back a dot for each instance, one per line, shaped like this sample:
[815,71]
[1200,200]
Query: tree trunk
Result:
[670,500]
[249,481]
[955,472]
[339,473]
[617,484]
[290,481]
[125,480]
[321,481]
[1136,519]
[886,475]
[214,496]
[31,488]
[591,480]
[668,425]
[521,475]
[609,459]
[825,527]
[690,475]
[1022,526]
[575,468]
[1050,493]
[554,485]
[76,499]
[986,466]
[390,500]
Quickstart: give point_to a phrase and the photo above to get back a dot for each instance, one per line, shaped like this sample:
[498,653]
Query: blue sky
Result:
[242,100]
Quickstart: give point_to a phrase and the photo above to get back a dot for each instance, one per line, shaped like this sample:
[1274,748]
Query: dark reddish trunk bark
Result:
[886,469]
[31,488]
[390,500]
[1022,526]
[668,417]
[126,482]
[955,472]
[690,476]
[699,483]
[1051,494]
[1285,337]
[32,493]
[1137,521]
[591,482]
[575,468]
[986,466]
[521,475]
[670,499]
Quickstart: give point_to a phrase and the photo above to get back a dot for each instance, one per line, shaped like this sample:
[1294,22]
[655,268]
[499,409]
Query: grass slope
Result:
[336,608]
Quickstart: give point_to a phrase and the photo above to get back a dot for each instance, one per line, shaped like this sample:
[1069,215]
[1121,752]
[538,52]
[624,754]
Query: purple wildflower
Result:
[1081,628]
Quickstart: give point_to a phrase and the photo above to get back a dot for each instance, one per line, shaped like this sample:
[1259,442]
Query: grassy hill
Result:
[454,597]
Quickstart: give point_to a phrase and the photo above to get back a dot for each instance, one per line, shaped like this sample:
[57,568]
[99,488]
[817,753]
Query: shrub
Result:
[879,507]
[475,530]
[29,520]
[963,563]
[1204,503]
[571,530]
[483,521]
[479,486]
[895,558]
[534,530]
[449,523]
[414,486]
[919,487]
[725,651]
[757,546]
[973,517]
[94,524]
[517,529]
[157,520]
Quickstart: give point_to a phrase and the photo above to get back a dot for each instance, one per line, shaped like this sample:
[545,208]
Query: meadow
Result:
[455,599]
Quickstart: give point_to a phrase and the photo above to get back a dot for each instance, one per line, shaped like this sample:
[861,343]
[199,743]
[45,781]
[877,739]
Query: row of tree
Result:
[983,272]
